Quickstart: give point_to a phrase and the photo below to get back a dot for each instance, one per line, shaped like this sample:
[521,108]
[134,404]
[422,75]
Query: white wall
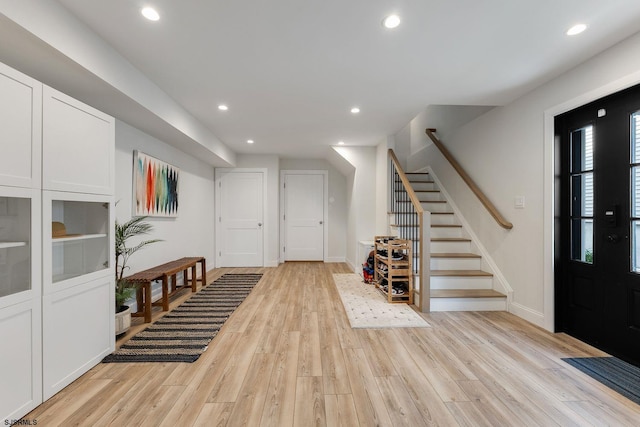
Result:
[337,215]
[382,183]
[191,233]
[361,198]
[508,152]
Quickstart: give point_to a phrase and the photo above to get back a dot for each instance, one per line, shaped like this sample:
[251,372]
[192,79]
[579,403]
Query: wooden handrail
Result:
[472,185]
[407,185]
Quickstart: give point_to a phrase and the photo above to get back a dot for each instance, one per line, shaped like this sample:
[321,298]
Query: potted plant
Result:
[124,231]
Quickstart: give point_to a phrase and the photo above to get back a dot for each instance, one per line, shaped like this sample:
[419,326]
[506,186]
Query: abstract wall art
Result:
[155,186]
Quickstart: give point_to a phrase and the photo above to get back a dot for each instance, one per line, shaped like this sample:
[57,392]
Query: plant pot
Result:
[123,320]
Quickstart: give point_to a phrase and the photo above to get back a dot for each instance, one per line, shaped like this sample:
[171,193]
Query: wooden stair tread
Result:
[445,225]
[441,213]
[461,273]
[465,293]
[450,239]
[454,255]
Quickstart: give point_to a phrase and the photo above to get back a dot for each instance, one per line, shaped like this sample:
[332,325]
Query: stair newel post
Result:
[425,262]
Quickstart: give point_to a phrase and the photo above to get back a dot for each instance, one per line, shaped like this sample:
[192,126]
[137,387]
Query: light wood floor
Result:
[287,356]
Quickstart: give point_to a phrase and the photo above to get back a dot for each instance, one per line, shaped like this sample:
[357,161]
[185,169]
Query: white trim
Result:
[549,179]
[325,210]
[335,259]
[351,264]
[533,316]
[265,228]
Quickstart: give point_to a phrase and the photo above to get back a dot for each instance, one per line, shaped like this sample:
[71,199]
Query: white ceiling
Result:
[290,70]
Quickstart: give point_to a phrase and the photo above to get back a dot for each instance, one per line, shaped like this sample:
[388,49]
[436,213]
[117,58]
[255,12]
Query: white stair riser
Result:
[423,186]
[458,247]
[446,231]
[444,219]
[461,282]
[455,263]
[430,196]
[436,207]
[468,304]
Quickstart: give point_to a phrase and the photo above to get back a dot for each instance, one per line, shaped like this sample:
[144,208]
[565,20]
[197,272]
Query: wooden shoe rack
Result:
[393,259]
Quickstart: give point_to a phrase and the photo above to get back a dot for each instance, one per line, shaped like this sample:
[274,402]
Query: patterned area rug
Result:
[612,372]
[184,333]
[366,307]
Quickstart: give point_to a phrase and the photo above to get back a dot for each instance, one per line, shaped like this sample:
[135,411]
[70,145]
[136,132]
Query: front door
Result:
[598,262]
[239,225]
[304,217]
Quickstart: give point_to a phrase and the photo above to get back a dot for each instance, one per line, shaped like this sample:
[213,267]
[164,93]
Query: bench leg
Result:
[194,281]
[147,302]
[140,297]
[165,293]
[203,277]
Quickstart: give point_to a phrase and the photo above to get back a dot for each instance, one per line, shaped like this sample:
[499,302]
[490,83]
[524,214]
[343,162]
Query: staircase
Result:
[459,279]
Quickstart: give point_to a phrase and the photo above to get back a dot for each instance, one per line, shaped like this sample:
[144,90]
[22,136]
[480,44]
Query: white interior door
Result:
[304,217]
[240,219]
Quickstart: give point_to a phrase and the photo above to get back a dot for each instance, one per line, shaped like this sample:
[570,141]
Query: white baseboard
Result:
[352,264]
[533,316]
[272,263]
[335,259]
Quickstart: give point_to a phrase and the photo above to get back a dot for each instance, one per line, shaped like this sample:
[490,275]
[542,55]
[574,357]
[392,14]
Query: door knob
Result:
[259,224]
[613,238]
[320,222]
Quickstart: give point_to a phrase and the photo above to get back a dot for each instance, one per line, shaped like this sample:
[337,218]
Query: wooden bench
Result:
[166,272]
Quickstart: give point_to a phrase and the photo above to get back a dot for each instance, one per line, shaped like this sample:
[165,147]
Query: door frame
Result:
[325,209]
[218,172]
[547,319]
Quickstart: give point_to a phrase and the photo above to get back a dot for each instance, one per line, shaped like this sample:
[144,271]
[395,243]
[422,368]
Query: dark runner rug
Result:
[184,333]
[616,374]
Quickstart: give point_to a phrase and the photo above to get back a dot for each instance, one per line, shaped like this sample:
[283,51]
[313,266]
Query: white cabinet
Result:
[20,301]
[78,331]
[77,236]
[77,146]
[56,294]
[20,243]
[20,129]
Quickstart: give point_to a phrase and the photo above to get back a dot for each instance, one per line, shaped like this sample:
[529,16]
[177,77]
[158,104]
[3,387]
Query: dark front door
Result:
[598,227]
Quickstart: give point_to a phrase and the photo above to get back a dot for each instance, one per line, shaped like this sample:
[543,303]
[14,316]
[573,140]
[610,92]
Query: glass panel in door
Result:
[582,194]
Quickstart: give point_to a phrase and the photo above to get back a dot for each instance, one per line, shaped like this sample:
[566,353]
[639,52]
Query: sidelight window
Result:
[582,194]
[635,192]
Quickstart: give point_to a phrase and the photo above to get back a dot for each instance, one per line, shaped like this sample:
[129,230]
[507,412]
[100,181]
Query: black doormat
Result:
[184,333]
[612,372]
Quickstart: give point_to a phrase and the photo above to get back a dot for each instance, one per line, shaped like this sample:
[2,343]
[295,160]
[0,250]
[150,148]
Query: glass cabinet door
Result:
[80,238]
[15,245]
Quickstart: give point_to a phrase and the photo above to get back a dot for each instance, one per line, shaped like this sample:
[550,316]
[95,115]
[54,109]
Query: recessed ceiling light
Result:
[223,107]
[391,21]
[576,29]
[250,141]
[355,110]
[340,142]
[150,13]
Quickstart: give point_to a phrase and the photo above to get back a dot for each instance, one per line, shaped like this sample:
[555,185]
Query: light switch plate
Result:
[519,202]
